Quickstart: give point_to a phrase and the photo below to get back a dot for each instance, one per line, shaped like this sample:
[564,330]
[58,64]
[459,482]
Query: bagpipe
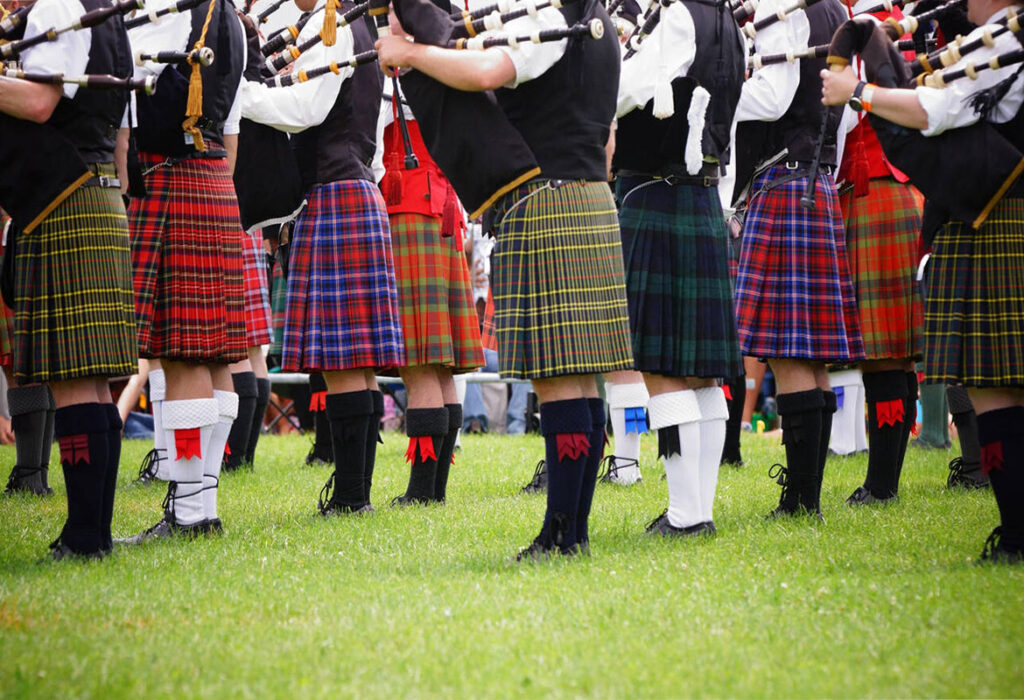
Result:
[927,65]
[12,50]
[593,29]
[494,17]
[290,52]
[978,154]
[99,82]
[154,16]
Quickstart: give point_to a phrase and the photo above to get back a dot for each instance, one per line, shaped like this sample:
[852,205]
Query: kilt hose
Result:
[342,309]
[882,232]
[675,247]
[974,306]
[435,296]
[187,253]
[794,297]
[73,292]
[559,288]
[256,294]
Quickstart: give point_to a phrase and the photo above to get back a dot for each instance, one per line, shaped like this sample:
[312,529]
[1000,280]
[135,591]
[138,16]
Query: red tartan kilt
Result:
[257,293]
[187,259]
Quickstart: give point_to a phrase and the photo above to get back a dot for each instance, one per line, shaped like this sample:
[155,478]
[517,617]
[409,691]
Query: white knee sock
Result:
[227,410]
[157,392]
[188,425]
[843,439]
[623,397]
[714,412]
[680,410]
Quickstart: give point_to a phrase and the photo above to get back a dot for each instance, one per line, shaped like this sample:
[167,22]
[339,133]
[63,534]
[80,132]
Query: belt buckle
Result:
[709,181]
[105,181]
[791,165]
[671,180]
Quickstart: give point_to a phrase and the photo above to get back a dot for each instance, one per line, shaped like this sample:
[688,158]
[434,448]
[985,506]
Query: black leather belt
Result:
[209,154]
[805,165]
[102,181]
[677,175]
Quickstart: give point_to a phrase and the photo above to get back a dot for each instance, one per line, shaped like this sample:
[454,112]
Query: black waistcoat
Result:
[647,144]
[342,147]
[160,115]
[565,114]
[92,118]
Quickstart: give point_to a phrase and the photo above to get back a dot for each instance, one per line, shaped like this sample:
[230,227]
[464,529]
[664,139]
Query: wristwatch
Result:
[856,103]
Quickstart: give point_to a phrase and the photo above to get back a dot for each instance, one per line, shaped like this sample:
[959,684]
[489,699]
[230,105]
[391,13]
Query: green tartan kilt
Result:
[558,283]
[974,309]
[75,310]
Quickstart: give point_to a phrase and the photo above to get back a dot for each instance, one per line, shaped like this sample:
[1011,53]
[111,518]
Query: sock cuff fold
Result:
[598,416]
[350,403]
[628,396]
[227,403]
[190,413]
[885,386]
[712,403]
[674,408]
[568,416]
[958,400]
[421,422]
[157,385]
[28,399]
[245,384]
[454,416]
[799,401]
[998,425]
[80,418]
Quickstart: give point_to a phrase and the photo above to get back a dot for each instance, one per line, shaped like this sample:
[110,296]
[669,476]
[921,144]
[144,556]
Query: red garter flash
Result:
[991,457]
[426,445]
[727,391]
[889,412]
[318,401]
[572,445]
[74,449]
[186,442]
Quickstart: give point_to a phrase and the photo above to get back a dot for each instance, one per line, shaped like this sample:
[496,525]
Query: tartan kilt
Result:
[342,310]
[278,304]
[794,297]
[256,294]
[6,317]
[974,306]
[559,288]
[187,253]
[73,292]
[435,298]
[675,247]
[882,232]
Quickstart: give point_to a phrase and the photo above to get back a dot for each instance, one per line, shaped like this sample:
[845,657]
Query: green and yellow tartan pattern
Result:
[558,283]
[435,297]
[974,309]
[73,289]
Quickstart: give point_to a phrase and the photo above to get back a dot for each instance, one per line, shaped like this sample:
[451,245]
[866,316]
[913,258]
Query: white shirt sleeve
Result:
[378,153]
[667,53]
[303,105]
[770,90]
[69,54]
[232,125]
[532,60]
[950,108]
[169,33]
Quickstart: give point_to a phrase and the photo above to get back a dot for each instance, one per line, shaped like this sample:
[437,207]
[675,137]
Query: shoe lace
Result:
[608,468]
[991,543]
[150,465]
[654,523]
[326,494]
[780,473]
[956,470]
[538,473]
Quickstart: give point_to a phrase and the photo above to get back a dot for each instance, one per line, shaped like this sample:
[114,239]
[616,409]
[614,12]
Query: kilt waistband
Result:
[495,216]
[104,175]
[676,174]
[169,161]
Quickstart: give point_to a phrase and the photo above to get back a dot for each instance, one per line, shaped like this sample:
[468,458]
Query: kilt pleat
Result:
[974,307]
[187,254]
[559,288]
[256,293]
[794,297]
[342,310]
[73,292]
[439,321]
[674,243]
[882,232]
[278,307]
[6,316]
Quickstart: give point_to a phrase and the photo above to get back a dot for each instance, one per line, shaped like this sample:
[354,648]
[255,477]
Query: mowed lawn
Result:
[425,602]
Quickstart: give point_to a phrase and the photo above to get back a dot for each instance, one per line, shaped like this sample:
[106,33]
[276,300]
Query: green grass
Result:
[420,602]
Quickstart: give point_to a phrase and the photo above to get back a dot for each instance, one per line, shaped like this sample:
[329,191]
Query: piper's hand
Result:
[837,86]
[394,52]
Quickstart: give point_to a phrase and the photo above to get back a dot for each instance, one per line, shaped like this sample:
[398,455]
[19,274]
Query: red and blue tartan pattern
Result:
[794,297]
[73,292]
[558,282]
[256,292]
[187,253]
[882,232]
[342,309]
[439,321]
[974,306]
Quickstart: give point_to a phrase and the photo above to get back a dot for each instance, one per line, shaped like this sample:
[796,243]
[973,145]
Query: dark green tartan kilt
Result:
[75,310]
[557,280]
[974,309]
[675,246]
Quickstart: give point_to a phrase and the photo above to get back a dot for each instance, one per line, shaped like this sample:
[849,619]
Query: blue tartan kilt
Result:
[675,248]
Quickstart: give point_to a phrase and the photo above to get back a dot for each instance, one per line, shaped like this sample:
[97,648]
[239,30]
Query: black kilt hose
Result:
[974,309]
[558,283]
[75,314]
[675,247]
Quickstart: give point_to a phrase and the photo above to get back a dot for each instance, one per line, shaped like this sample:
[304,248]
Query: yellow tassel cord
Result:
[330,29]
[194,106]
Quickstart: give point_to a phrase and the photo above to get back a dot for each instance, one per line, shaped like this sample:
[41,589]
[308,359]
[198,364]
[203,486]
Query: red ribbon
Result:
[186,442]
[426,445]
[572,445]
[889,412]
[74,449]
[318,401]
[991,457]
